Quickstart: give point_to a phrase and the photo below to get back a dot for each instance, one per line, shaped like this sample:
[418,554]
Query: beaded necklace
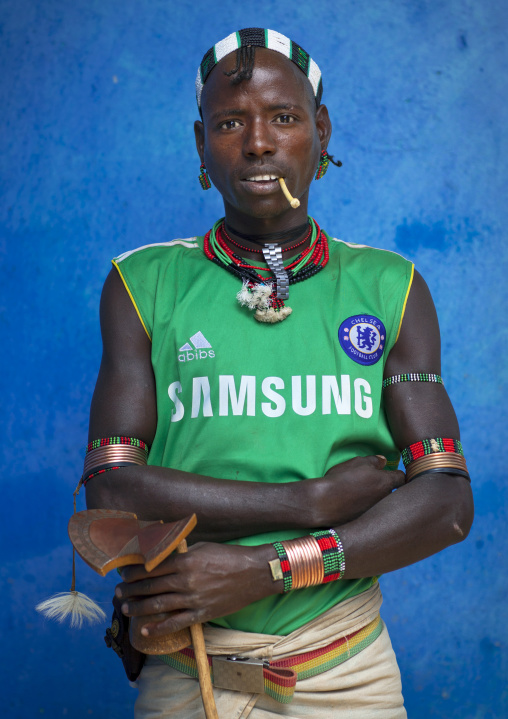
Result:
[261,293]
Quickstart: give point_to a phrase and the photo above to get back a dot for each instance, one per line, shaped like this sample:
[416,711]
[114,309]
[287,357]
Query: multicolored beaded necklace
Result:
[260,293]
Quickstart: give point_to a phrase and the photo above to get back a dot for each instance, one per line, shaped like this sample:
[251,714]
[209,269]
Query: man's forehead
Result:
[275,82]
[260,38]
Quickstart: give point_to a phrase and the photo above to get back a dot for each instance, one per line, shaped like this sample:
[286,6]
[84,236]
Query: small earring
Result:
[324,161]
[204,180]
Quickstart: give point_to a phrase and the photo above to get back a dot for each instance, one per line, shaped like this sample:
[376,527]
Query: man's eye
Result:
[285,119]
[229,124]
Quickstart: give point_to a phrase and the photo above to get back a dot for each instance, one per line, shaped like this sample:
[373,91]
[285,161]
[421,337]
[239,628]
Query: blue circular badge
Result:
[363,338]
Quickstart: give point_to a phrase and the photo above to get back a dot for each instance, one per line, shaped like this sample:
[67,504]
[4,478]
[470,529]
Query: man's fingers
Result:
[147,587]
[136,572]
[397,478]
[158,604]
[378,461]
[179,620]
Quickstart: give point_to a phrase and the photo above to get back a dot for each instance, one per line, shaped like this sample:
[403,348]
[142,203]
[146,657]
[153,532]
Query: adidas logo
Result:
[199,349]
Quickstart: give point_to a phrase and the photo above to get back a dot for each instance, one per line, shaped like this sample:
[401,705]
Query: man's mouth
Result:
[262,178]
[262,182]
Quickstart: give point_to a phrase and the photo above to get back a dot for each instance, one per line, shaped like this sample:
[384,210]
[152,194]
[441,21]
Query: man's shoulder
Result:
[377,270]
[157,250]
[355,248]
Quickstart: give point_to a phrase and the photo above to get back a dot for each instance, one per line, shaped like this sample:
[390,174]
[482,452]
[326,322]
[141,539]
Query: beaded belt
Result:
[277,678]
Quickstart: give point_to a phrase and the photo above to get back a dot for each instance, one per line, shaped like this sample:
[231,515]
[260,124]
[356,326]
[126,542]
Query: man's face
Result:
[262,128]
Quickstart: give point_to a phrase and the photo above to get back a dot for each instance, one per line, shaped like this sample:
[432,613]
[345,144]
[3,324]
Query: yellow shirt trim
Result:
[405,300]
[132,298]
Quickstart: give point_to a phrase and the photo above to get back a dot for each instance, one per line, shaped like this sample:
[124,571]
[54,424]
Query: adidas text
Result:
[198,354]
[199,349]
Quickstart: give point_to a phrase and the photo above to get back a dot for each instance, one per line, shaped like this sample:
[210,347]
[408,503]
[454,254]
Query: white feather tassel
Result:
[72,604]
[244,296]
[262,296]
[255,298]
[271,316]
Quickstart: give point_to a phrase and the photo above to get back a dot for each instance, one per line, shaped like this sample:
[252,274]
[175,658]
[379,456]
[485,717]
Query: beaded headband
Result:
[259,37]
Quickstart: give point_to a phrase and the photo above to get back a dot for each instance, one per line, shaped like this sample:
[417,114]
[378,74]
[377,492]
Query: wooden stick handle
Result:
[198,643]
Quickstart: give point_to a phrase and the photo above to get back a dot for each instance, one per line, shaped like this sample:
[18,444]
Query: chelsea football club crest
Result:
[363,338]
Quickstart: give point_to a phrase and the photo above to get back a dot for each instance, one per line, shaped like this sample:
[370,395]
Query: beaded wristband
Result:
[107,441]
[435,455]
[436,464]
[435,445]
[118,451]
[306,562]
[309,561]
[93,473]
[333,554]
[284,565]
[113,455]
[412,377]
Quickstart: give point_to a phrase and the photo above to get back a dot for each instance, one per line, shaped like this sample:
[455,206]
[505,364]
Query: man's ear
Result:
[199,132]
[324,126]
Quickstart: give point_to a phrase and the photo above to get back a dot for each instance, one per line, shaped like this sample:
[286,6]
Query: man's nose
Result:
[259,140]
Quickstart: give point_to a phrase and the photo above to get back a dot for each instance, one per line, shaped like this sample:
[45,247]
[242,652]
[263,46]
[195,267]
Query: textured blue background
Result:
[97,156]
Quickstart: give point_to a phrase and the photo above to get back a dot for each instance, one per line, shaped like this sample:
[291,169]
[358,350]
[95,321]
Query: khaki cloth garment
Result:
[364,686]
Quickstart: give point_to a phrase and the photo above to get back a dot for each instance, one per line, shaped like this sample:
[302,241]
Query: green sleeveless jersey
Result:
[242,400]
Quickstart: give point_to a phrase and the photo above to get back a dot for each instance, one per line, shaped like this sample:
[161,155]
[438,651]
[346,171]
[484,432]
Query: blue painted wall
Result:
[97,156]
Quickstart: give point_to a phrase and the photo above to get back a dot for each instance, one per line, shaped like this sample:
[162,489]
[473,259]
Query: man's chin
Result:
[263,208]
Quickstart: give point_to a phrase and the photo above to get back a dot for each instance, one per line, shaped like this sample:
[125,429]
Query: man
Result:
[274,429]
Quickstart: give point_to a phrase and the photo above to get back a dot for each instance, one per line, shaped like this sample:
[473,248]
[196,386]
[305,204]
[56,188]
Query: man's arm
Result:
[419,519]
[124,403]
[434,510]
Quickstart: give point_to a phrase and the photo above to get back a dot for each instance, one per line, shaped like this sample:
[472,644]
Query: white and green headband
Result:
[259,37]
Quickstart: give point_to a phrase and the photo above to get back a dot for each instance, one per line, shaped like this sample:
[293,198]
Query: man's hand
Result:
[209,581]
[351,488]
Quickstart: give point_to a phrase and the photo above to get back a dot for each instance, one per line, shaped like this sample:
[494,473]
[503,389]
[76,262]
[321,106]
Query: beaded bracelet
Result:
[93,473]
[309,561]
[438,464]
[412,377]
[112,453]
[431,446]
[285,567]
[107,441]
[333,554]
[436,455]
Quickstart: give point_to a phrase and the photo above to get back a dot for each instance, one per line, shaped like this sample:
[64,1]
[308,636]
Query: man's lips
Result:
[258,185]
[262,178]
[262,173]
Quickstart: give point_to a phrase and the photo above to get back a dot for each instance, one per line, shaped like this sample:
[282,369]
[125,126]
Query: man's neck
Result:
[247,236]
[291,242]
